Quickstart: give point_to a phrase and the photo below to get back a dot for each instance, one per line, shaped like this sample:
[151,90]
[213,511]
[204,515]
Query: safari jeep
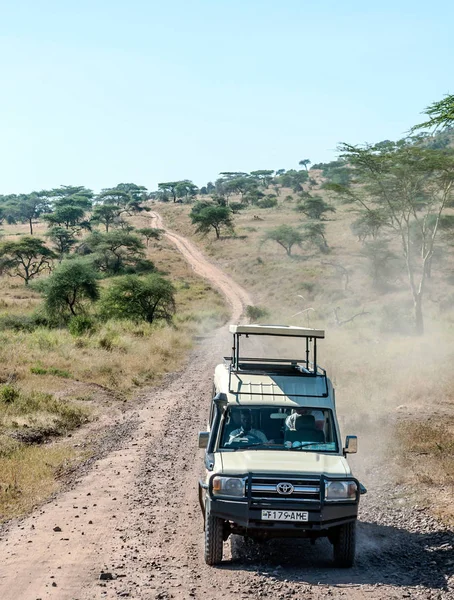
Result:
[275,465]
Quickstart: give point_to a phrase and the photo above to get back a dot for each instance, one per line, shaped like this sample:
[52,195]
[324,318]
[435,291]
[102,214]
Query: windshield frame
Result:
[308,447]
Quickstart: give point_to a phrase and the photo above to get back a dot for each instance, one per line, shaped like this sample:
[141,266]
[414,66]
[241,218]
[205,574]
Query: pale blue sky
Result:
[105,91]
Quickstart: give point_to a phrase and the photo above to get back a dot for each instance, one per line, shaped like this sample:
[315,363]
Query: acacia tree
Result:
[106,214]
[315,233]
[68,216]
[186,189]
[293,179]
[314,207]
[74,195]
[123,198]
[263,176]
[147,298]
[25,258]
[286,236]
[440,113]
[368,224]
[206,217]
[70,205]
[29,207]
[411,185]
[169,187]
[63,240]
[8,207]
[150,233]
[70,287]
[115,251]
[304,163]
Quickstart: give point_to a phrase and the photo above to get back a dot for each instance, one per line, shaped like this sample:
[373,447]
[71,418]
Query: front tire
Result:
[344,545]
[214,540]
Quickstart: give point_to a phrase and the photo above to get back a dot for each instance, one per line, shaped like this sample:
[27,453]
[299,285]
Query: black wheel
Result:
[214,540]
[344,545]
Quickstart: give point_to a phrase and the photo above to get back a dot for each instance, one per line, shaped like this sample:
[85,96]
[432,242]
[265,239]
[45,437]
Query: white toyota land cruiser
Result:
[275,463]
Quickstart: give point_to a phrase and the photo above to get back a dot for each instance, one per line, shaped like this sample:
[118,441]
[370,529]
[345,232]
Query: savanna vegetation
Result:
[362,246]
[94,304]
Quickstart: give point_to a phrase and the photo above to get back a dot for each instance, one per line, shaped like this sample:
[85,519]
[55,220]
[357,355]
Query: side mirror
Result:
[203,439]
[351,444]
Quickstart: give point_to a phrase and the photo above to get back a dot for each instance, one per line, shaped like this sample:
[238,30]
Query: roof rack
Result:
[272,366]
[279,330]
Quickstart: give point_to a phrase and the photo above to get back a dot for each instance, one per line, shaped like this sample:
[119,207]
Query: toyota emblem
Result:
[284,488]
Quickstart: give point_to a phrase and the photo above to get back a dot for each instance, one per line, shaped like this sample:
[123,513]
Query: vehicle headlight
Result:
[340,490]
[228,486]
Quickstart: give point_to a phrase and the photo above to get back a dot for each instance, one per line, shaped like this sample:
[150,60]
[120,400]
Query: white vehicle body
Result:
[274,458]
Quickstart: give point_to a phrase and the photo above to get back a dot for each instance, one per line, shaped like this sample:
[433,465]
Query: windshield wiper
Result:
[254,444]
[304,444]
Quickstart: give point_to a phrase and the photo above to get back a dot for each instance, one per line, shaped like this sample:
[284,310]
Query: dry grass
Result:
[427,452]
[27,465]
[382,373]
[37,413]
[119,355]
[28,475]
[275,280]
[47,376]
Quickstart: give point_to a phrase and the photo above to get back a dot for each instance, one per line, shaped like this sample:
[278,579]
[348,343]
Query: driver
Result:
[246,431]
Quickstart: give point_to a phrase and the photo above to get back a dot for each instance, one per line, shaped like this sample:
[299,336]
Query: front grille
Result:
[264,489]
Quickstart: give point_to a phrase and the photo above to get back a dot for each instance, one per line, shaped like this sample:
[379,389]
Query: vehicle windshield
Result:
[279,428]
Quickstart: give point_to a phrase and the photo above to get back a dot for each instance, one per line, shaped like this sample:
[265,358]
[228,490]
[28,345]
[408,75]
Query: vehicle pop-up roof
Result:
[295,367]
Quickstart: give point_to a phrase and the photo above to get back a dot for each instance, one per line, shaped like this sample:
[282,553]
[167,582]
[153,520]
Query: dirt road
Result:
[236,296]
[133,517]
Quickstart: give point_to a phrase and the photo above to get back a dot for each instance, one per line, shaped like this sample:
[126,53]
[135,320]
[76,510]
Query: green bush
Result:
[80,325]
[255,313]
[18,322]
[51,371]
[267,202]
[9,394]
[235,207]
[142,266]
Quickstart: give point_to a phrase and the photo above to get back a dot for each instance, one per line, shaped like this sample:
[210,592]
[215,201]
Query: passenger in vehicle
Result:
[304,430]
[317,414]
[246,430]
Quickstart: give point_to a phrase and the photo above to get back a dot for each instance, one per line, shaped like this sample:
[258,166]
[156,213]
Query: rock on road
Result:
[130,527]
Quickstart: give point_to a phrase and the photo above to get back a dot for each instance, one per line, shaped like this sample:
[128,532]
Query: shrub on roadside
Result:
[255,313]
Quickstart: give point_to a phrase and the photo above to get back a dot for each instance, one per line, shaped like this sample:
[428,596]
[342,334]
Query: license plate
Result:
[285,515]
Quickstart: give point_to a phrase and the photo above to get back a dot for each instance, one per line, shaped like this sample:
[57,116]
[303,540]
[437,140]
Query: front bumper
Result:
[250,518]
[245,515]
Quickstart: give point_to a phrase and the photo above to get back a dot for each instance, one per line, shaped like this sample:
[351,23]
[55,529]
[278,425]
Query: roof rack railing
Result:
[279,330]
[306,367]
[310,335]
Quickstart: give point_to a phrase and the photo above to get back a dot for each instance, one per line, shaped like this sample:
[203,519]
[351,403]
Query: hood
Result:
[283,461]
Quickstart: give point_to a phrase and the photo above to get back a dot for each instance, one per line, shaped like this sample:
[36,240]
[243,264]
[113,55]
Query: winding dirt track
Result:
[134,515]
[236,296]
